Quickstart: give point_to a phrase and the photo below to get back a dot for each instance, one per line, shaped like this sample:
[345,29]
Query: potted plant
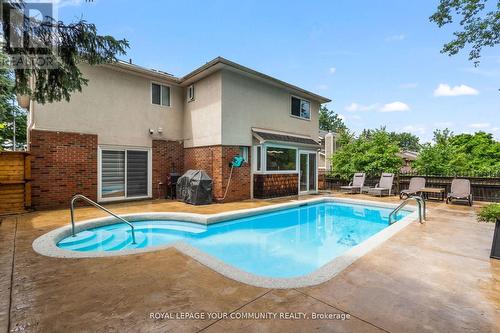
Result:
[491,213]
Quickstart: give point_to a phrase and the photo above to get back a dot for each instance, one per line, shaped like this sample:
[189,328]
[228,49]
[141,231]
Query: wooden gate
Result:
[15,182]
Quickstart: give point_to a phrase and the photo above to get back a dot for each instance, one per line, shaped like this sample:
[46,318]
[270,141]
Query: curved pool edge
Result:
[47,243]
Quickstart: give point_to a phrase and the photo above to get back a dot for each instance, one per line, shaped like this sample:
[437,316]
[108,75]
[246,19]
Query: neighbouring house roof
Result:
[283,137]
[408,155]
[209,68]
[322,133]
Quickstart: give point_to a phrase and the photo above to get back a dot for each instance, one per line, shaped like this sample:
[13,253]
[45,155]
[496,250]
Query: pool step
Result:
[123,239]
[140,241]
[93,243]
[79,238]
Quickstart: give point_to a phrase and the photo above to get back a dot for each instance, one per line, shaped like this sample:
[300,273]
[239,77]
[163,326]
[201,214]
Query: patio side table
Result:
[434,190]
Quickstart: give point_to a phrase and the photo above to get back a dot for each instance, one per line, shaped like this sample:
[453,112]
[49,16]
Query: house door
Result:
[308,172]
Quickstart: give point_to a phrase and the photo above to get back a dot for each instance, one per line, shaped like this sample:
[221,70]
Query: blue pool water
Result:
[286,243]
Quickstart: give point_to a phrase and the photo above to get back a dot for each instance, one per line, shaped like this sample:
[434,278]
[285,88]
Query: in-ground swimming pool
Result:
[281,244]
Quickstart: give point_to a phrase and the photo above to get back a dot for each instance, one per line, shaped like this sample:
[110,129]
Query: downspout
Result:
[31,123]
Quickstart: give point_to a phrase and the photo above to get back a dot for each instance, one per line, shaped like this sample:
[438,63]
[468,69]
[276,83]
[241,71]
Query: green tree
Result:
[480,28]
[406,141]
[330,121]
[372,152]
[8,109]
[459,154]
[65,45]
[435,158]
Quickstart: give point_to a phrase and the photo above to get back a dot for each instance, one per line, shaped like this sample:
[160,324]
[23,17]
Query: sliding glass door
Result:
[124,173]
[307,172]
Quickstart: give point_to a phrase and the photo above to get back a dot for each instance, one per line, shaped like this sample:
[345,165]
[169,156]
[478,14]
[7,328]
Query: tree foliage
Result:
[373,152]
[479,28]
[8,109]
[64,46]
[459,154]
[330,121]
[406,141]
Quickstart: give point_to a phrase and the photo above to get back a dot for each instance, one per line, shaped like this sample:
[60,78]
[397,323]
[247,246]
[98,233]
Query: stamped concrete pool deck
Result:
[434,277]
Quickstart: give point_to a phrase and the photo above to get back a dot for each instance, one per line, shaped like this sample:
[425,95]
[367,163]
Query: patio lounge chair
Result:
[383,186]
[416,184]
[460,190]
[358,180]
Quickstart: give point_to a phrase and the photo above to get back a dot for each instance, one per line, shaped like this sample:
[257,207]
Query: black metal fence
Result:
[483,187]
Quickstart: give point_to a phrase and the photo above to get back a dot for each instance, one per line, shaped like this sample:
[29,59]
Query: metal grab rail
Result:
[95,204]
[421,208]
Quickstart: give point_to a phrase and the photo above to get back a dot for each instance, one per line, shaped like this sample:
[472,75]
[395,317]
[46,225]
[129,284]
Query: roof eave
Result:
[223,61]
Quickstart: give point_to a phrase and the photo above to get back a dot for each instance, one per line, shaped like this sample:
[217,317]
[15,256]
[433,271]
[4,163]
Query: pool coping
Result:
[46,244]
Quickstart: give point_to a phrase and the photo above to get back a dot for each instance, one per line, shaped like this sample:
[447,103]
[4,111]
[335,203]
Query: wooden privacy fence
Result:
[15,182]
[483,187]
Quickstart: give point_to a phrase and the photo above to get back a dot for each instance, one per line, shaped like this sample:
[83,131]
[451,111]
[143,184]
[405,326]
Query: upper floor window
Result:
[160,94]
[190,93]
[300,108]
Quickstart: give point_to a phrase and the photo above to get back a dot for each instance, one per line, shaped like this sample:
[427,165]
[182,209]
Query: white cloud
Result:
[482,72]
[480,125]
[332,70]
[443,124]
[341,116]
[353,107]
[322,87]
[409,85]
[395,107]
[66,3]
[414,129]
[395,38]
[461,90]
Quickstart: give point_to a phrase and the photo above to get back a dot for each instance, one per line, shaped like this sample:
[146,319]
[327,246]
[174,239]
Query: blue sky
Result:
[379,61]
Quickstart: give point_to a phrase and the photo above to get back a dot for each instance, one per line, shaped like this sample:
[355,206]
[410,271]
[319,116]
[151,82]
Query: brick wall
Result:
[215,161]
[275,185]
[168,157]
[63,164]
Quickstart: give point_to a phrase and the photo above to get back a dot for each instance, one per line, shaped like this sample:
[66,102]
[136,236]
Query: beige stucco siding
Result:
[247,103]
[202,117]
[117,107]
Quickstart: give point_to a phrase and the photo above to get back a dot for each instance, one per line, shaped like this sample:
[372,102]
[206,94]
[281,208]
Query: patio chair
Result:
[383,186]
[460,190]
[416,184]
[358,180]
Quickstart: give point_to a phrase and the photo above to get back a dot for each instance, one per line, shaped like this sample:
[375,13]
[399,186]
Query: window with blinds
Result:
[137,173]
[113,174]
[124,173]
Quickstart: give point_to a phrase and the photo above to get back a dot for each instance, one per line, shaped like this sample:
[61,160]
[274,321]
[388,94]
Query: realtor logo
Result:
[29,33]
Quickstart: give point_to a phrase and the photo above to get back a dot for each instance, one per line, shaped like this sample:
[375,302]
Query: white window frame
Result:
[263,160]
[301,99]
[151,94]
[305,151]
[99,172]
[190,93]
[255,158]
[245,153]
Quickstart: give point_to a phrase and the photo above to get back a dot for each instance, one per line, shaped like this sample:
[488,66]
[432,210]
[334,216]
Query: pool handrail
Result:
[95,204]
[421,207]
